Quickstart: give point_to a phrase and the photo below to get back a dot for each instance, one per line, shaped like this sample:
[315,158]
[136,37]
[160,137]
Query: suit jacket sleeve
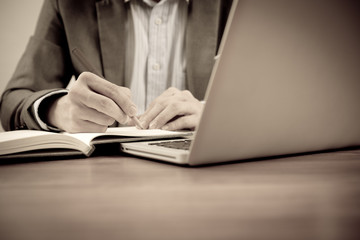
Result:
[44,67]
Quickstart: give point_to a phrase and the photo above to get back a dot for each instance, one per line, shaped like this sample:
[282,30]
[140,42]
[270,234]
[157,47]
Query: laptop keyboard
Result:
[183,144]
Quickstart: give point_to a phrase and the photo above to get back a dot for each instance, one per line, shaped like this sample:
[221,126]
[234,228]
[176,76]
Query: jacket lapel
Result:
[111,21]
[201,44]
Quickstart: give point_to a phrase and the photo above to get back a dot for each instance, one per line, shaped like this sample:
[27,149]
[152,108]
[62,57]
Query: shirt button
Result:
[158,21]
[156,66]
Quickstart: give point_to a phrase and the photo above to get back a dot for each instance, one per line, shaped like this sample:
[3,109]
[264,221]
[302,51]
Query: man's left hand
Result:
[173,110]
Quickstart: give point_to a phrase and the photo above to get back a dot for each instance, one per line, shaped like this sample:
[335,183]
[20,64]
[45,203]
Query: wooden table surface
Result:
[313,196]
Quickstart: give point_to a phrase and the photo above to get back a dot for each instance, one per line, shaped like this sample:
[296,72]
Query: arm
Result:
[43,68]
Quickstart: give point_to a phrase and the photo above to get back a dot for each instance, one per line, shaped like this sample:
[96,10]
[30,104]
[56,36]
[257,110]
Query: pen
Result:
[77,53]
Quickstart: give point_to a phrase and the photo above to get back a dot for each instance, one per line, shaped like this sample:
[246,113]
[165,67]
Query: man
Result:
[154,55]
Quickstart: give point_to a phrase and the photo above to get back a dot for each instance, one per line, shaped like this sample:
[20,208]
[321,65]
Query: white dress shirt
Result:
[155,48]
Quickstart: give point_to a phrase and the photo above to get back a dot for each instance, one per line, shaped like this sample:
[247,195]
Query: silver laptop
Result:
[287,80]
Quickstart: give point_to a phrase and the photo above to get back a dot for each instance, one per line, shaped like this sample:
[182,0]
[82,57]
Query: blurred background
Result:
[17,23]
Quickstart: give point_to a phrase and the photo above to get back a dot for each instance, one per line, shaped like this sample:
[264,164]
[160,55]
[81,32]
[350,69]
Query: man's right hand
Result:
[91,105]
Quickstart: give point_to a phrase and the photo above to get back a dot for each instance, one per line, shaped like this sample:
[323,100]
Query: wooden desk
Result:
[119,197]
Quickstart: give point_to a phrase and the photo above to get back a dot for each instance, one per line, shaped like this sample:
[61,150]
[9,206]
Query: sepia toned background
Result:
[17,23]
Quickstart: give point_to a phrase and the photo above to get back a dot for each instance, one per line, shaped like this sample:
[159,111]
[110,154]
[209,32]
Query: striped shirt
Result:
[155,50]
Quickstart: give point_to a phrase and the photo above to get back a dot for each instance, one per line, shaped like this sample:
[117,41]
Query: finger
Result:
[103,105]
[184,122]
[179,104]
[156,106]
[92,115]
[120,95]
[167,113]
[131,122]
[85,126]
[165,95]
[149,115]
[84,119]
[173,110]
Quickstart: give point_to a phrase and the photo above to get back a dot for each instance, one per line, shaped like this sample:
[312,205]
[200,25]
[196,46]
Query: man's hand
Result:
[91,105]
[173,110]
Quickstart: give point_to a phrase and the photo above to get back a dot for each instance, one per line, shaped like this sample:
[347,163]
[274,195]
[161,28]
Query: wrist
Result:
[52,111]
[42,107]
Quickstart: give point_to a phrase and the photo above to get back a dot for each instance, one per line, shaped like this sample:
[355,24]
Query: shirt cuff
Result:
[36,106]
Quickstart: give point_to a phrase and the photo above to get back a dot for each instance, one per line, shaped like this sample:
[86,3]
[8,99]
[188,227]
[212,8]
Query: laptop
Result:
[286,81]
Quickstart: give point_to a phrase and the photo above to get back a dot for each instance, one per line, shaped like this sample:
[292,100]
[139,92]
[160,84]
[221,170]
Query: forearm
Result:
[42,69]
[16,109]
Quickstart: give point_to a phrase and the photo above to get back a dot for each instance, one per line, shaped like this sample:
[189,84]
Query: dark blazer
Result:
[98,29]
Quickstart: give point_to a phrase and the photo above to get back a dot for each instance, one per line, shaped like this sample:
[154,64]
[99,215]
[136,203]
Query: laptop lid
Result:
[287,81]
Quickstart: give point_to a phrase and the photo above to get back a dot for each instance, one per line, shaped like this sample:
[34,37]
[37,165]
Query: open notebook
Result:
[287,81]
[33,143]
